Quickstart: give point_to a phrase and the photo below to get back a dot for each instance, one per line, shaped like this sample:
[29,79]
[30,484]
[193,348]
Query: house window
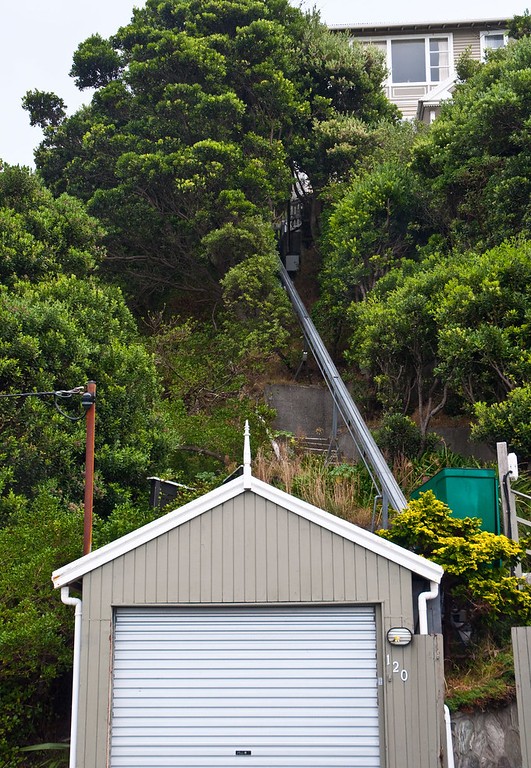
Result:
[439,62]
[420,60]
[490,41]
[408,64]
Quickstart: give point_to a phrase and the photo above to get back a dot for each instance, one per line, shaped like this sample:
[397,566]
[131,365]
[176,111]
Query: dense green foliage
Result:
[43,236]
[368,233]
[61,327]
[477,567]
[454,325]
[508,420]
[475,158]
[202,113]
[426,259]
[35,628]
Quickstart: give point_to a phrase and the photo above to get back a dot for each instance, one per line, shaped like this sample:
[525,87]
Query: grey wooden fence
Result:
[521,637]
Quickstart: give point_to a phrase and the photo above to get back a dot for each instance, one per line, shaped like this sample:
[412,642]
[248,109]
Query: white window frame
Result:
[389,40]
[483,36]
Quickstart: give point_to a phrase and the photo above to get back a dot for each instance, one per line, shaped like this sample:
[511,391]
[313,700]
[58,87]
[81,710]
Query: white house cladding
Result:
[249,629]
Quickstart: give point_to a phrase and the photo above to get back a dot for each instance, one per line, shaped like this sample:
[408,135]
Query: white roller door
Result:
[241,687]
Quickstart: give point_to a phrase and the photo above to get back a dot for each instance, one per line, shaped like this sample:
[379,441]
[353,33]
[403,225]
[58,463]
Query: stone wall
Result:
[487,739]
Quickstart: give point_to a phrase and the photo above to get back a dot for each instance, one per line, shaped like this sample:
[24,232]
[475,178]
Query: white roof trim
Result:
[78,568]
[441,91]
[351,532]
[357,25]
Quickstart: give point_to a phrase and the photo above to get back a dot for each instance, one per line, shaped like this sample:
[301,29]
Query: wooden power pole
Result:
[89,403]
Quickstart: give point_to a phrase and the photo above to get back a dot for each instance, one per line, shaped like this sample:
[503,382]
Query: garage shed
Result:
[248,628]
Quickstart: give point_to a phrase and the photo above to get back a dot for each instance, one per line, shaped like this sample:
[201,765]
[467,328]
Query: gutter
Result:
[423,630]
[78,604]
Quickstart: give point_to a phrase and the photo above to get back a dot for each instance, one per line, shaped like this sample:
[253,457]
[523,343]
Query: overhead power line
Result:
[57,394]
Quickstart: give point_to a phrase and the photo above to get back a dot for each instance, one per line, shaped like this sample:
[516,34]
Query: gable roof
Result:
[246,483]
[442,92]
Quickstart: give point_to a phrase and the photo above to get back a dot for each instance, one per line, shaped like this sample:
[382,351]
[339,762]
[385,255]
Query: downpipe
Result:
[449,742]
[423,630]
[423,608]
[78,604]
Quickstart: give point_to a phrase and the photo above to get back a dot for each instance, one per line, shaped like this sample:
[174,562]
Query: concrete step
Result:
[319,446]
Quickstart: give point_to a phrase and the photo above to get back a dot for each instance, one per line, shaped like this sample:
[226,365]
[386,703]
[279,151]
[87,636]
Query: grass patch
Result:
[344,490]
[482,680]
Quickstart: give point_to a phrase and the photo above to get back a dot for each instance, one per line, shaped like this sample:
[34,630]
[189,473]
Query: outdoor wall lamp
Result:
[399,636]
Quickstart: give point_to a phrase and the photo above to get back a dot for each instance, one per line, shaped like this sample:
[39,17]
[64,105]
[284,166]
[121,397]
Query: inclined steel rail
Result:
[371,455]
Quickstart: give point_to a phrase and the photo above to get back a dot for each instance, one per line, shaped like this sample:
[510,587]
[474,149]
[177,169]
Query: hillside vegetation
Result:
[142,255]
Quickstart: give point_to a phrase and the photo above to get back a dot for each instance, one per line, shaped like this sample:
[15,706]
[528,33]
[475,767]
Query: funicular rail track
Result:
[382,477]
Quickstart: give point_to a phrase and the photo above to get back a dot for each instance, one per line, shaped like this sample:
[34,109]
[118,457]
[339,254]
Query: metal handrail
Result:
[522,520]
[360,433]
[521,495]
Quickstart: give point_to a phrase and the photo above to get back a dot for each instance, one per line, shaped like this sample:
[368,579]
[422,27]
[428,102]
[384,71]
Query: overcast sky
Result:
[39,38]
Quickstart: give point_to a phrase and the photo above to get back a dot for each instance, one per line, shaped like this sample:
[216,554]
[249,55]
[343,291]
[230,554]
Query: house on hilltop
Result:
[421,57]
[249,628]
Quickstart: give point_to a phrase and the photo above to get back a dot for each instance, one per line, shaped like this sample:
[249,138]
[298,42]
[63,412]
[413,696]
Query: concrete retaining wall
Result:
[307,412]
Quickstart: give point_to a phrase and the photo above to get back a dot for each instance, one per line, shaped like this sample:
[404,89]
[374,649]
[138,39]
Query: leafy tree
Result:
[367,232]
[257,313]
[35,628]
[477,566]
[43,236]
[45,109]
[202,113]
[508,421]
[348,106]
[455,324]
[374,216]
[483,319]
[60,327]
[56,335]
[520,26]
[400,438]
[475,158]
[395,340]
[96,63]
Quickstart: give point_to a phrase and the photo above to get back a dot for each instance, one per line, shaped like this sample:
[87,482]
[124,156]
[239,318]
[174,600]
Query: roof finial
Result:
[247,457]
